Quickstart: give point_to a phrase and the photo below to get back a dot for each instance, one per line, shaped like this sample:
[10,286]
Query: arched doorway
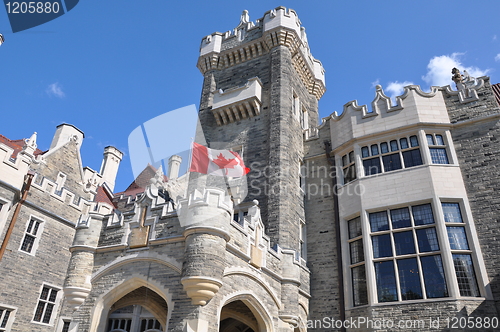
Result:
[237,316]
[141,310]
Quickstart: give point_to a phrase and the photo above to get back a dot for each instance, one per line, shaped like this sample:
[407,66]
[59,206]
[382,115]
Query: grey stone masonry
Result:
[476,136]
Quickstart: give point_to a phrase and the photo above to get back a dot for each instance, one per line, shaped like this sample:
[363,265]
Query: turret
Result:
[65,133]
[110,164]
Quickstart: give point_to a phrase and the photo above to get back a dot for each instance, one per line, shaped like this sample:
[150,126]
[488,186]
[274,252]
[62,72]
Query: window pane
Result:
[379,221]
[354,227]
[27,243]
[427,240]
[413,141]
[382,246]
[439,140]
[384,148]
[39,311]
[360,294]
[30,226]
[345,162]
[409,279]
[65,327]
[349,174]
[466,277]
[391,162]
[439,156]
[351,157]
[386,281]
[403,241]
[5,318]
[434,278]
[451,212]
[48,313]
[430,139]
[400,218]
[365,152]
[35,229]
[374,149]
[422,214]
[412,158]
[372,166]
[457,237]
[357,254]
[404,143]
[394,145]
[45,293]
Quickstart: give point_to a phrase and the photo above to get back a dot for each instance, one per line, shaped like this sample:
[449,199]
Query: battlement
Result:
[412,107]
[249,40]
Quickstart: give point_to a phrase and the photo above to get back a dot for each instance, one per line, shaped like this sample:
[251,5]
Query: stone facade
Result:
[398,201]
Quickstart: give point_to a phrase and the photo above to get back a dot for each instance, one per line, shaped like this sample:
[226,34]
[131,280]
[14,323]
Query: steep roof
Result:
[141,182]
[103,196]
[496,91]
[16,145]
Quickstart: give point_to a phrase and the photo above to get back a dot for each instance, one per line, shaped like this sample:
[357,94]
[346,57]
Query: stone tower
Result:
[260,93]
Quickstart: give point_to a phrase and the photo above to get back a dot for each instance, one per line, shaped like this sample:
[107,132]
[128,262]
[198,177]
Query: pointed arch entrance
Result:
[244,313]
[135,305]
[140,310]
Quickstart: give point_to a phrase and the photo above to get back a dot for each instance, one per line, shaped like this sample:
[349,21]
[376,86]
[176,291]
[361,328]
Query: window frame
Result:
[464,224]
[359,264]
[4,211]
[376,151]
[349,166]
[396,257]
[435,146]
[55,308]
[37,236]
[10,320]
[303,240]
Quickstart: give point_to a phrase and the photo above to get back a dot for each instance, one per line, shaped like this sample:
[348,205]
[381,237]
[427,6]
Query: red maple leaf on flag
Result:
[225,163]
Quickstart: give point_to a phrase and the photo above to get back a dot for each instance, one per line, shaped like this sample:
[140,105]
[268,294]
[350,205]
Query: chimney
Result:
[174,164]
[110,164]
[65,133]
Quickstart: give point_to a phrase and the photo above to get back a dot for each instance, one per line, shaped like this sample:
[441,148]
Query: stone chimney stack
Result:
[110,164]
[65,133]
[174,164]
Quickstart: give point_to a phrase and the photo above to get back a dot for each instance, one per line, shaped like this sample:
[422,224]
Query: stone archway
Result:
[140,310]
[145,296]
[244,313]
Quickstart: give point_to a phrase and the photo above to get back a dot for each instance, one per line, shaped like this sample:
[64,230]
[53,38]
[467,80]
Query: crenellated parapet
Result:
[412,107]
[278,27]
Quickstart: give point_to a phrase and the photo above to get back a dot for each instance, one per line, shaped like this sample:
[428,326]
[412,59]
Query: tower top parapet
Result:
[248,40]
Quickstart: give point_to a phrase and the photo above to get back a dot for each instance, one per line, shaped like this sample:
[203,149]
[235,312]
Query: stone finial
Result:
[30,143]
[245,18]
[158,180]
[254,212]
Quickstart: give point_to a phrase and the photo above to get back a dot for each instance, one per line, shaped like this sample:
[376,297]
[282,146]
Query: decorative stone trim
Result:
[200,289]
[239,103]
[75,296]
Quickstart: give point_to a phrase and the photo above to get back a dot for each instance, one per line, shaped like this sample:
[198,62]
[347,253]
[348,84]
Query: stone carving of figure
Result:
[458,79]
[254,212]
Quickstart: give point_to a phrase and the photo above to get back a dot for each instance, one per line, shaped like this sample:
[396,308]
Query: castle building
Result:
[377,216]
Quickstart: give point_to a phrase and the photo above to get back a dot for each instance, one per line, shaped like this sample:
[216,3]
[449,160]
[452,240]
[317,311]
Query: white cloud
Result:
[439,69]
[395,89]
[494,37]
[497,58]
[55,89]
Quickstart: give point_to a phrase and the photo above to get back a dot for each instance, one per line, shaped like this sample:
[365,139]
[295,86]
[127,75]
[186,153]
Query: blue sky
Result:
[108,66]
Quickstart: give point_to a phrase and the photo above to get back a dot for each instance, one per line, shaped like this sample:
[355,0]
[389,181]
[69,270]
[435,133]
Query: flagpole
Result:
[190,155]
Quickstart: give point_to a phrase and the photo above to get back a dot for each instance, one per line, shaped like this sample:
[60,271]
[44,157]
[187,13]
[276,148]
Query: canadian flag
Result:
[217,162]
